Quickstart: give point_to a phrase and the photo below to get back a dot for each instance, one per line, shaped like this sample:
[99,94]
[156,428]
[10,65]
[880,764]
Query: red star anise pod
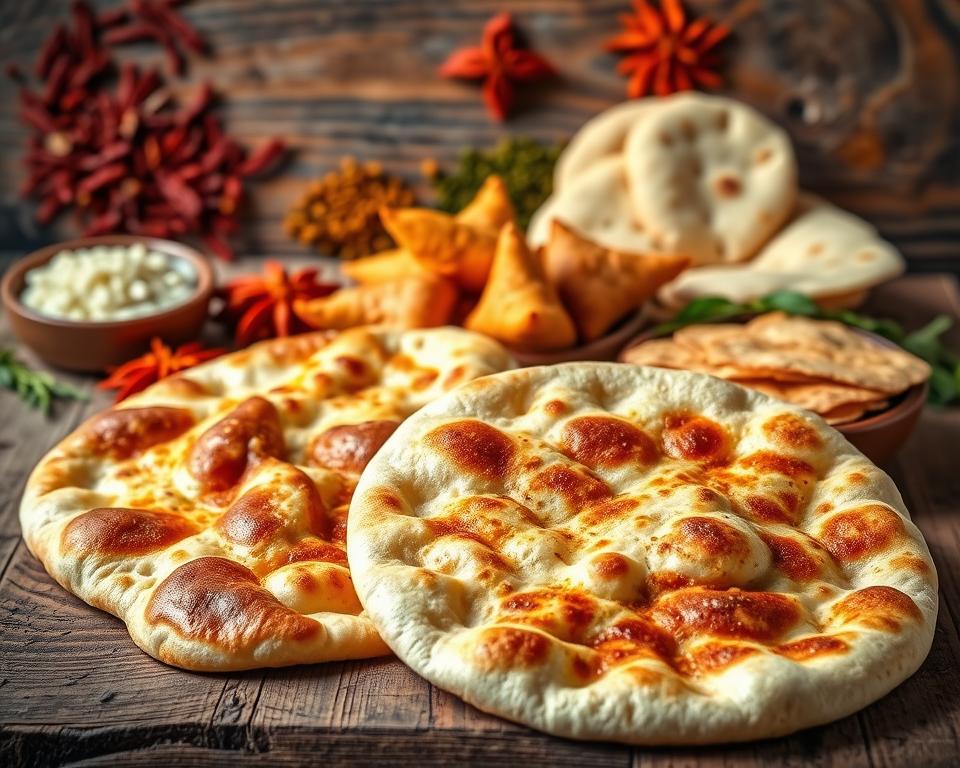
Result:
[500,64]
[264,303]
[666,52]
[161,361]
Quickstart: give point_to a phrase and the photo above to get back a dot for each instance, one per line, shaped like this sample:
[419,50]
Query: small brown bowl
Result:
[94,346]
[878,435]
[604,348]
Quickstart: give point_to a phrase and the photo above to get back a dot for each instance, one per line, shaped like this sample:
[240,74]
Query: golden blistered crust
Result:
[209,512]
[612,552]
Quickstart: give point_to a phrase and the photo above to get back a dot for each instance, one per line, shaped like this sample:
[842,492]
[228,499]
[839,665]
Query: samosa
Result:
[383,267]
[598,285]
[442,244]
[518,306]
[461,246]
[414,302]
[490,208]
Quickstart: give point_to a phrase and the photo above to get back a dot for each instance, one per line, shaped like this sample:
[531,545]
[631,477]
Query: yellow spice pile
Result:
[339,214]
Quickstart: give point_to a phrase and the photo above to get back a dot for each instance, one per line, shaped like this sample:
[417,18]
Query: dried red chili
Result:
[500,64]
[113,146]
[161,361]
[262,305]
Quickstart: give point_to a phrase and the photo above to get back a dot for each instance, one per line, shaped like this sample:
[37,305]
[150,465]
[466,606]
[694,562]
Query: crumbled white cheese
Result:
[108,283]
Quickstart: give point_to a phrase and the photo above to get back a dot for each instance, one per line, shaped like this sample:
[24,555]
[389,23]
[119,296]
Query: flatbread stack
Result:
[820,365]
[711,179]
[209,512]
[607,551]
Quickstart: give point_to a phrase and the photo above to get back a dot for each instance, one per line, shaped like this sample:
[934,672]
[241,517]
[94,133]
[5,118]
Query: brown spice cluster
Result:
[339,214]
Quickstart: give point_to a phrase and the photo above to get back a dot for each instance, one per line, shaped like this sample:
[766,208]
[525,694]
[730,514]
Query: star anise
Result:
[161,361]
[500,64]
[263,303]
[666,52]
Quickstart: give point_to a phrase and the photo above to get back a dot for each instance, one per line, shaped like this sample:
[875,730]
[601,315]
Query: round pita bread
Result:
[208,512]
[597,204]
[598,138]
[823,252]
[710,177]
[606,551]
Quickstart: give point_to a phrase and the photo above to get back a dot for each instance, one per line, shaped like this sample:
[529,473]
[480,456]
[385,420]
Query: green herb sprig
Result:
[525,165]
[925,343]
[36,388]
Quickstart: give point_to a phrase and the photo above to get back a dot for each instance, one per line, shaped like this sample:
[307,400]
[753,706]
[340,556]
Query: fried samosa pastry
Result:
[414,302]
[383,267]
[490,208]
[442,244]
[598,285]
[518,306]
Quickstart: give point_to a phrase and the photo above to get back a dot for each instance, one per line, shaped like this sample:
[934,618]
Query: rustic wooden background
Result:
[869,89]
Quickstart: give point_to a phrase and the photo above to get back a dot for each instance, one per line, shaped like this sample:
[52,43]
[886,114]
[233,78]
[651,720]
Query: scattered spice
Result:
[500,64]
[666,52]
[111,145]
[339,214]
[36,388]
[161,361]
[263,304]
[525,165]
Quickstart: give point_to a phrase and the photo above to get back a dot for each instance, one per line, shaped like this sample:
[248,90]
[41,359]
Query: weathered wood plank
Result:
[869,92]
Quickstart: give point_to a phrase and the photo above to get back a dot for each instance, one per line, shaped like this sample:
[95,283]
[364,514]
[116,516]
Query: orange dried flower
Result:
[161,361]
[264,303]
[500,64]
[664,51]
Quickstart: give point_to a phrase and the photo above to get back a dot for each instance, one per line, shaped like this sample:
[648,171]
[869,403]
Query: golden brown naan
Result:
[614,552]
[209,511]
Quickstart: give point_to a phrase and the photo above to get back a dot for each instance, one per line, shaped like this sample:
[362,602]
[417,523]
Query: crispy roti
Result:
[209,511]
[606,551]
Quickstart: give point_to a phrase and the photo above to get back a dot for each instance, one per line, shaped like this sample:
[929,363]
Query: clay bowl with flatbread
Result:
[94,346]
[878,434]
[605,348]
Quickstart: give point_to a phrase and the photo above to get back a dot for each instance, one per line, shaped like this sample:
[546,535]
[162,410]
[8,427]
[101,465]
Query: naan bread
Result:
[596,203]
[209,511]
[824,252]
[600,137]
[710,177]
[612,552]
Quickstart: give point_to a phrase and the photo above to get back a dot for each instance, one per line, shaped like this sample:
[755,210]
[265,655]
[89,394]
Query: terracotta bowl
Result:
[95,346]
[604,348]
[878,435]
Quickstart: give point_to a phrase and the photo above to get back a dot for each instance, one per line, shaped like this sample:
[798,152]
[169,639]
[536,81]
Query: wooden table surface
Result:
[74,688]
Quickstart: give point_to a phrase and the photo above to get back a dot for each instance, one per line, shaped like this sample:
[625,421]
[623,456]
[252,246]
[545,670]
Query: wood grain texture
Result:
[74,689]
[869,91]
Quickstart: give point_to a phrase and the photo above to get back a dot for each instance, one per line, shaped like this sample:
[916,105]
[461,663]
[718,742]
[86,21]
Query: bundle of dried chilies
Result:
[111,144]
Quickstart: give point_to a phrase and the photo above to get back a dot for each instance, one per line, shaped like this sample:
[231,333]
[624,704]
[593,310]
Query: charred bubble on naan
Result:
[607,551]
[209,512]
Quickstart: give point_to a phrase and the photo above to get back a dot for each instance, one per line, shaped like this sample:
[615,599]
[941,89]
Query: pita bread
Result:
[599,286]
[621,553]
[823,252]
[518,306]
[414,302]
[600,137]
[710,177]
[597,204]
[209,511]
